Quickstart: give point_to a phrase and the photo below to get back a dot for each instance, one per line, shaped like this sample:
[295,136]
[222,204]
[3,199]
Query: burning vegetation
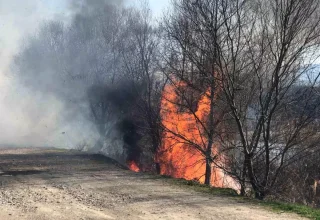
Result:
[222,92]
[132,165]
[184,139]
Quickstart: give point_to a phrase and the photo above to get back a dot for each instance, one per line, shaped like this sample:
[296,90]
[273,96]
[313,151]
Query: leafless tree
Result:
[268,49]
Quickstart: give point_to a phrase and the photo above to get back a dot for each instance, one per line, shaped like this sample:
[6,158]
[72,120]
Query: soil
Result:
[56,184]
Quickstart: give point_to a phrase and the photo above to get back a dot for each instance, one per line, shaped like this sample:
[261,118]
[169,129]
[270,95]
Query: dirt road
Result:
[51,184]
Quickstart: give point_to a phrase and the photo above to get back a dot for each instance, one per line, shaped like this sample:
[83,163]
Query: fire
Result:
[132,165]
[177,157]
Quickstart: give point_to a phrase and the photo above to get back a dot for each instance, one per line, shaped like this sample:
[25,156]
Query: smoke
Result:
[22,123]
[43,96]
[89,7]
[122,121]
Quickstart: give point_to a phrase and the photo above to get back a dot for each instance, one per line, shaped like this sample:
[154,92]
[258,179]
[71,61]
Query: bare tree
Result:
[267,51]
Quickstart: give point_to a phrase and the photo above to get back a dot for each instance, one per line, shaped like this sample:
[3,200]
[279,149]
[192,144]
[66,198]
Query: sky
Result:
[157,6]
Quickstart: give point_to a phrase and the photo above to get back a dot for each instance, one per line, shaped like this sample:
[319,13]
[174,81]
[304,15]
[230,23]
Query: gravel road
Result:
[39,184]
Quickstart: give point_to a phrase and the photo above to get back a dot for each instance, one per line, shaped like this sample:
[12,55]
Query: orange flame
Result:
[180,156]
[132,165]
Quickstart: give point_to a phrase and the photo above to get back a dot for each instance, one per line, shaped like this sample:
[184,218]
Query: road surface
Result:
[52,184]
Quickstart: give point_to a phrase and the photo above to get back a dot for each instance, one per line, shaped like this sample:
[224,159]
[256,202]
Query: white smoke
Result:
[29,117]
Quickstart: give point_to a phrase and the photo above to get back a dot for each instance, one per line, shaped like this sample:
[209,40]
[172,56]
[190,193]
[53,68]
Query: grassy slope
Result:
[302,210]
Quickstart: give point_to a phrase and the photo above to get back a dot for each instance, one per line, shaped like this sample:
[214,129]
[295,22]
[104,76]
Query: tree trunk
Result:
[259,195]
[243,180]
[208,172]
[258,190]
[242,190]
[155,145]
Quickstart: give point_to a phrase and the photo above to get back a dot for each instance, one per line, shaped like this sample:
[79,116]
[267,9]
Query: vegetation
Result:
[302,210]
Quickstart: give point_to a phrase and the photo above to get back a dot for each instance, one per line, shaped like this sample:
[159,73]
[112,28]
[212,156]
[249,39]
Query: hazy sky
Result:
[19,18]
[59,5]
[158,6]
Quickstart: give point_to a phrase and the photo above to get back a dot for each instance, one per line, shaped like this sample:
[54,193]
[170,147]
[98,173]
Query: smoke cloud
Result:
[38,107]
[25,119]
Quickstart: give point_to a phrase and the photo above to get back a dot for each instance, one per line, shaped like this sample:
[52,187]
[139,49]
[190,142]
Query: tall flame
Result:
[179,155]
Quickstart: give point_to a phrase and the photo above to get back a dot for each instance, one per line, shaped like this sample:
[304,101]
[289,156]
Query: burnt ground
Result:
[55,184]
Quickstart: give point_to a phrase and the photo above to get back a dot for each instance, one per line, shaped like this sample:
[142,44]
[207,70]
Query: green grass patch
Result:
[198,187]
[302,210]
